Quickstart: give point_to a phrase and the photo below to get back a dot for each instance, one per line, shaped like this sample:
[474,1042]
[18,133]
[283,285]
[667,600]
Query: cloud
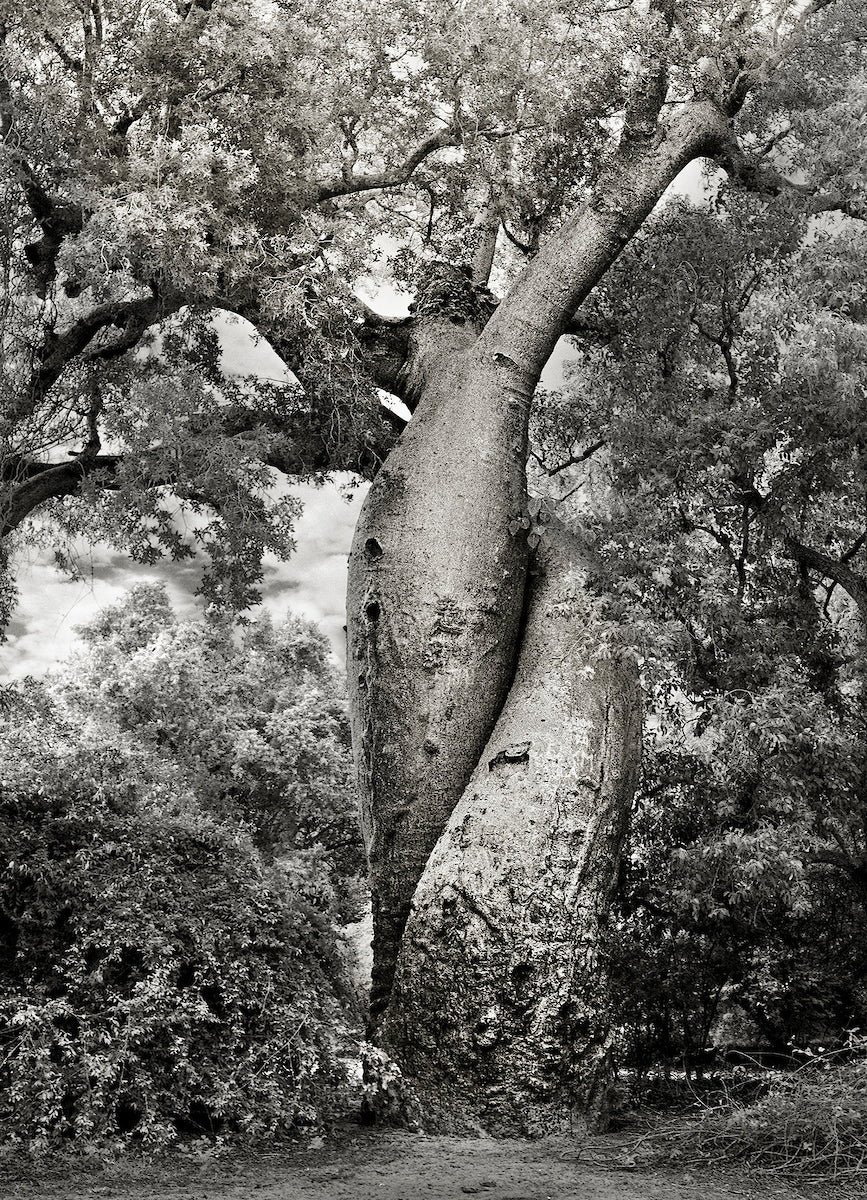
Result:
[312,584]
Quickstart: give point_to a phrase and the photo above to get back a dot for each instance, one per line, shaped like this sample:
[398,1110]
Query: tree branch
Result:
[380,180]
[573,460]
[31,484]
[56,218]
[650,86]
[132,316]
[750,173]
[51,481]
[751,78]
[853,584]
[543,301]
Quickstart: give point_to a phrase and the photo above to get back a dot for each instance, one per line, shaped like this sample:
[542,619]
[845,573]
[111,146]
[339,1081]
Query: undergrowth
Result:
[808,1125]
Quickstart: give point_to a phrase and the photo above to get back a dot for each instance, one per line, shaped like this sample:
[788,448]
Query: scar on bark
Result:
[511,754]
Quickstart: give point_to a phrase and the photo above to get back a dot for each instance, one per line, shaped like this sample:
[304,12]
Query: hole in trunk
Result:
[372,610]
[372,548]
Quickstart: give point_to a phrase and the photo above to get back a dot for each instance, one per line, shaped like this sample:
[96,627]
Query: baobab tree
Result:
[163,162]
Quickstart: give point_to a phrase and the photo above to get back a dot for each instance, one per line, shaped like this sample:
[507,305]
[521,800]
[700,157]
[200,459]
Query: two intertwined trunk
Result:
[496,740]
[499,1012]
[496,746]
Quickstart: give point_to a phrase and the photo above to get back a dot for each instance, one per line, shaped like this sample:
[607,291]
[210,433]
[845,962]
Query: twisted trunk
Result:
[498,1012]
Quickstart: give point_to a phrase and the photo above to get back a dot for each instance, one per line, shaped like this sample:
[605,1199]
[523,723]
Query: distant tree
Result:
[250,718]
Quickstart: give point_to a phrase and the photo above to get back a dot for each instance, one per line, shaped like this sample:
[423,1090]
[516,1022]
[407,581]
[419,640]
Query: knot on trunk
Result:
[447,292]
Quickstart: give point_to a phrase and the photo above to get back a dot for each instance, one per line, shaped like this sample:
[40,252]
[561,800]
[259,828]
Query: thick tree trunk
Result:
[498,1011]
[436,590]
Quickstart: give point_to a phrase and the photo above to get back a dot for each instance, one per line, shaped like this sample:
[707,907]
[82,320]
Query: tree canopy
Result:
[167,160]
[251,717]
[723,416]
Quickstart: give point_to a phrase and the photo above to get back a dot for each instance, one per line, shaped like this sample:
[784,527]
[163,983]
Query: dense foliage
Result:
[162,162]
[724,410]
[161,975]
[250,717]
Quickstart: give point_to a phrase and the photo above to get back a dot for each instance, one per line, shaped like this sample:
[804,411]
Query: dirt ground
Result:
[385,1165]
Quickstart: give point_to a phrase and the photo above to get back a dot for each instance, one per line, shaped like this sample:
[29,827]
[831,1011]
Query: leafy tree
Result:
[249,717]
[158,976]
[165,161]
[732,532]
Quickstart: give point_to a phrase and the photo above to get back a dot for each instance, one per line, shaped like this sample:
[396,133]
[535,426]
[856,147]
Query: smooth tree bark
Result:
[436,592]
[437,581]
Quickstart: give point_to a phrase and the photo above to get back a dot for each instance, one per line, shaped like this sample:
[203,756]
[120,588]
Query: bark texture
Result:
[435,598]
[435,595]
[498,1010]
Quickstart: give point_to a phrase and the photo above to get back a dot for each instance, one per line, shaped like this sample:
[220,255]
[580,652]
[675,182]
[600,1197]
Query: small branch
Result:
[752,78]
[572,461]
[529,248]
[590,328]
[741,561]
[69,61]
[763,179]
[395,177]
[857,545]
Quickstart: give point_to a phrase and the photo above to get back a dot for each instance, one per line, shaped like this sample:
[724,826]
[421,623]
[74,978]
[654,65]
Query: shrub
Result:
[810,1124]
[156,976]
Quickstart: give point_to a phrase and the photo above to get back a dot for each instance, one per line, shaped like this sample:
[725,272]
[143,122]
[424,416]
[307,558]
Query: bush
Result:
[156,977]
[730,921]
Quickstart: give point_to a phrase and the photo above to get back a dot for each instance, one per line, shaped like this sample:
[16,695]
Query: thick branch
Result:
[487,227]
[385,344]
[650,86]
[850,581]
[56,218]
[132,316]
[29,484]
[44,482]
[542,303]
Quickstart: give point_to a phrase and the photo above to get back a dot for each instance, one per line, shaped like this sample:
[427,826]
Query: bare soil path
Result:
[385,1165]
